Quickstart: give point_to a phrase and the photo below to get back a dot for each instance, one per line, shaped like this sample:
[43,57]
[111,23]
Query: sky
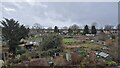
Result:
[50,14]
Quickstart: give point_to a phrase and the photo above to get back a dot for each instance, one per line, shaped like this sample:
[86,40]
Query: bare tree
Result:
[94,24]
[65,27]
[37,26]
[49,28]
[74,27]
[108,27]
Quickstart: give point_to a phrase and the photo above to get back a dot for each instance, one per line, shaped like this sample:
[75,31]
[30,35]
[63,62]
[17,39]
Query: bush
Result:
[76,59]
[44,54]
[24,57]
[111,63]
[15,60]
[83,54]
[51,41]
[20,50]
[113,36]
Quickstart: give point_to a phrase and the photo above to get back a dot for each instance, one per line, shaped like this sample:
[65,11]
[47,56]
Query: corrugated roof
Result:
[103,54]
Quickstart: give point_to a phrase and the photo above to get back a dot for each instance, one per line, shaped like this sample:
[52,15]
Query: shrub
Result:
[24,57]
[83,53]
[15,60]
[20,51]
[51,41]
[111,63]
[113,36]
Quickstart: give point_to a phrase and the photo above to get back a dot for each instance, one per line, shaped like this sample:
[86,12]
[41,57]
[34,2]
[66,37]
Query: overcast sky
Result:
[60,14]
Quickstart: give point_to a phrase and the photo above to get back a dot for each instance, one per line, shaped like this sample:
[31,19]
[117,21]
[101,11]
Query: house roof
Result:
[103,54]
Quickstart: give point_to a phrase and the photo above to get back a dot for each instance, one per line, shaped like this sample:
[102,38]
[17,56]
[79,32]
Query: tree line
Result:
[74,28]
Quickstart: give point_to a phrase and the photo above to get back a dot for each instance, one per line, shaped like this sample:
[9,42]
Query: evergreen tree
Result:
[93,30]
[70,31]
[56,30]
[86,30]
[13,32]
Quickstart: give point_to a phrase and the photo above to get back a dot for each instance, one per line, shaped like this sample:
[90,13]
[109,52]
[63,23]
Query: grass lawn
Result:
[87,46]
[91,46]
[69,40]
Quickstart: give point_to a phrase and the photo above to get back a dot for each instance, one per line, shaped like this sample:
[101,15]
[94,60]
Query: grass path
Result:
[67,40]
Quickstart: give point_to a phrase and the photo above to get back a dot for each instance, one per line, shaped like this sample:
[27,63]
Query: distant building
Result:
[90,35]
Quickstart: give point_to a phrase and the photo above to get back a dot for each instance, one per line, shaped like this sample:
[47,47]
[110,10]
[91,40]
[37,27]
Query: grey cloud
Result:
[63,13]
